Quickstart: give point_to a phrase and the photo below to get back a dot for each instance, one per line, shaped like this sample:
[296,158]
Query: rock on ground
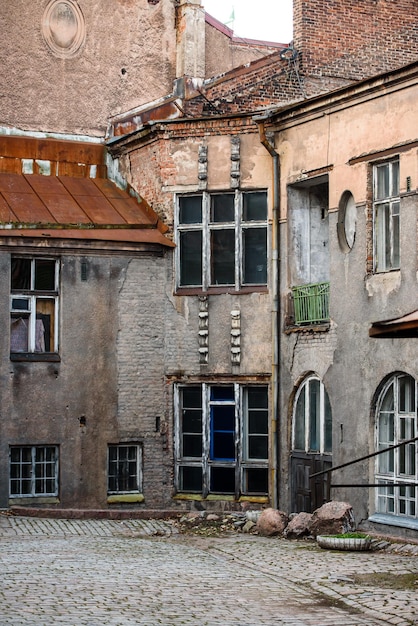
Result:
[272,522]
[299,526]
[332,518]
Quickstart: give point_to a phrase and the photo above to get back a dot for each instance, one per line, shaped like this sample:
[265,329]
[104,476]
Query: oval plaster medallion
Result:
[63,27]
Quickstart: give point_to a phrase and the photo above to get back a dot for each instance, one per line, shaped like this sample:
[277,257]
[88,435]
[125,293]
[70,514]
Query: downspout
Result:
[275,311]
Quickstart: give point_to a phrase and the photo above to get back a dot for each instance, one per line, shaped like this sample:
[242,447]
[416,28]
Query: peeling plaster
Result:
[382,285]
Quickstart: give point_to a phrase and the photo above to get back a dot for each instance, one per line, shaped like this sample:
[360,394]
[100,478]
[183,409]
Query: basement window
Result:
[124,469]
[34,306]
[222,240]
[222,442]
[33,471]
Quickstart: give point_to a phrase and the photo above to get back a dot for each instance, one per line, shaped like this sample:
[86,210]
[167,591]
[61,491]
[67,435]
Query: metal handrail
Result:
[365,458]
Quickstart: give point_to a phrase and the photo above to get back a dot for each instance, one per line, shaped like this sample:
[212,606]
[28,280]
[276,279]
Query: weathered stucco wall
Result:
[350,363]
[108,387]
[127,59]
[224,53]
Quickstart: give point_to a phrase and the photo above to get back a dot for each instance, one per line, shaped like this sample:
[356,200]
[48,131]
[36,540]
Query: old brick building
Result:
[212,390]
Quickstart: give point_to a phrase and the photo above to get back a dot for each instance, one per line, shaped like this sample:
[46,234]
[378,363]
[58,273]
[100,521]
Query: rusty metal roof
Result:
[405,326]
[67,207]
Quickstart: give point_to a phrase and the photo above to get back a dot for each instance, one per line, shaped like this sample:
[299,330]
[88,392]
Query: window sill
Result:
[394,520]
[127,498]
[218,497]
[32,500]
[322,327]
[198,291]
[35,356]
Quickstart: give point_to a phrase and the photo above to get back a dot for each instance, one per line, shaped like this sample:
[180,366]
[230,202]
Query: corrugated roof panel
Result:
[27,206]
[130,211]
[14,182]
[99,210]
[80,186]
[45,184]
[6,213]
[109,189]
[65,209]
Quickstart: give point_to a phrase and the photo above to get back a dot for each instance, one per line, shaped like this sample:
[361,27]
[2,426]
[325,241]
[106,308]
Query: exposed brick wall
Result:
[261,85]
[153,168]
[355,38]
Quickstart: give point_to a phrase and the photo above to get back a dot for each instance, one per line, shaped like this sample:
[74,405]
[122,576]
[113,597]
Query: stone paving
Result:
[142,572]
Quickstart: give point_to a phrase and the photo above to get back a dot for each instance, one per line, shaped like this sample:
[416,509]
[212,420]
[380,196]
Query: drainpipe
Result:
[275,312]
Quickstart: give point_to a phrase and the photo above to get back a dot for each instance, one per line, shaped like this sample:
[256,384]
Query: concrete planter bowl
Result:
[332,542]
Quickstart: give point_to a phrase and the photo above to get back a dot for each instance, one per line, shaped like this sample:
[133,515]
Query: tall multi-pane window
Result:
[34,305]
[386,207]
[222,239]
[222,439]
[396,469]
[33,471]
[124,469]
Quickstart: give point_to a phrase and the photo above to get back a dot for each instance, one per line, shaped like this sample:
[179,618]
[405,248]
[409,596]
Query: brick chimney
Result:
[190,40]
[355,39]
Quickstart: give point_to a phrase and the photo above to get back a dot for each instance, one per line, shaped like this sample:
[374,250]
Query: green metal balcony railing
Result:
[311,303]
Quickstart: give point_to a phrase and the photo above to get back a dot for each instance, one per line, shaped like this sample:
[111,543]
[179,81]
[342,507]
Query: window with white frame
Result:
[312,422]
[33,471]
[124,469]
[386,211]
[34,305]
[222,439]
[396,469]
[222,239]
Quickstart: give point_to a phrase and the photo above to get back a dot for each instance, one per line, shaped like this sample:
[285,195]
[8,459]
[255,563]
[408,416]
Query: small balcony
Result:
[310,304]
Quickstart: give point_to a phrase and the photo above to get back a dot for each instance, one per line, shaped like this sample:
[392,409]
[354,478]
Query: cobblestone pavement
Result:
[136,572]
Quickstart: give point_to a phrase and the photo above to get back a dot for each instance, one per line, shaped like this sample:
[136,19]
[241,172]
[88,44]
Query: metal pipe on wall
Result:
[275,310]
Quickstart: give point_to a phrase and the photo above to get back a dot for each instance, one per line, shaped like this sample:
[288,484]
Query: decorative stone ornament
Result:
[63,28]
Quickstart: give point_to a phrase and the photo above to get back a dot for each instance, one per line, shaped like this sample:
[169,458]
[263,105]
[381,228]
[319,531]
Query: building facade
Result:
[249,278]
[348,287]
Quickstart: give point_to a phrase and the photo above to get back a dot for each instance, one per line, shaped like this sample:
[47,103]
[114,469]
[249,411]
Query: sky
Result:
[269,20]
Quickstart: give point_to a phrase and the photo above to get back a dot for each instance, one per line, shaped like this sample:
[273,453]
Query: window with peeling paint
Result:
[222,239]
[386,214]
[222,439]
[34,305]
[33,471]
[124,469]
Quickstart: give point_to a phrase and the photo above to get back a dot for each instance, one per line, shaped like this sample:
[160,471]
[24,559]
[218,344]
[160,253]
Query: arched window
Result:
[396,421]
[312,422]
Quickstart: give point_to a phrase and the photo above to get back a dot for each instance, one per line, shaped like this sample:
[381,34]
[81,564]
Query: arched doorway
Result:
[311,445]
